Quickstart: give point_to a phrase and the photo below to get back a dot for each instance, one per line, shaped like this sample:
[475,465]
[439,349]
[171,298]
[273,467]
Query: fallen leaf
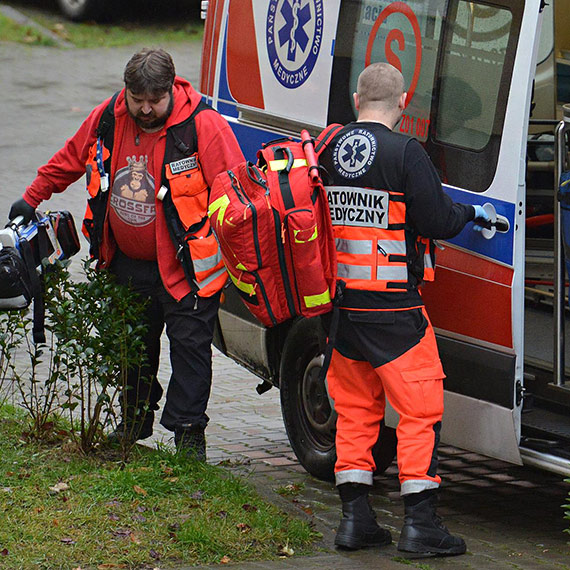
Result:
[134,538]
[198,495]
[222,514]
[55,522]
[243,527]
[249,508]
[225,560]
[139,490]
[67,540]
[286,550]
[167,470]
[122,532]
[154,554]
[113,517]
[59,487]
[171,479]
[111,565]
[4,552]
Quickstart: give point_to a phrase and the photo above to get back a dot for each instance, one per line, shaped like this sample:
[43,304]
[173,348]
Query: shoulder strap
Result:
[106,128]
[326,136]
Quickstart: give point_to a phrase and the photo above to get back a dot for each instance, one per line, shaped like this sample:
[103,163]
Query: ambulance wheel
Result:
[80,10]
[309,417]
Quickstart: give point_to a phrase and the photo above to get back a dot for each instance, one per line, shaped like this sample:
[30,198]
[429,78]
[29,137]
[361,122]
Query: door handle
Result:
[497,223]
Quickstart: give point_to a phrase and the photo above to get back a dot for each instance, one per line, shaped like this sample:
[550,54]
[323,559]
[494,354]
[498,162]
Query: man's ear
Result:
[356,101]
[402,100]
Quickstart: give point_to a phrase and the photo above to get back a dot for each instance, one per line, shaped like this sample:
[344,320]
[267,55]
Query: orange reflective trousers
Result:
[387,354]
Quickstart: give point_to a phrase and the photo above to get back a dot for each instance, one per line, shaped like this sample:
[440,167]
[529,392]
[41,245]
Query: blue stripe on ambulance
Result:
[500,247]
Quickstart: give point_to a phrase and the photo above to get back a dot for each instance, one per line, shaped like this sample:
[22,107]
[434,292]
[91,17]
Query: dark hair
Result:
[149,71]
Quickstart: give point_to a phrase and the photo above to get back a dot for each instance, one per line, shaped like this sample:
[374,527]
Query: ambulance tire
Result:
[309,418]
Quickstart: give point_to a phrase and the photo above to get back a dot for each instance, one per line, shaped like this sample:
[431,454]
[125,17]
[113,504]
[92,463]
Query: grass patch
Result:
[11,31]
[91,35]
[146,28]
[59,509]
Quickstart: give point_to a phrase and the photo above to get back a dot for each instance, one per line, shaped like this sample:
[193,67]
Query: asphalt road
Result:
[510,517]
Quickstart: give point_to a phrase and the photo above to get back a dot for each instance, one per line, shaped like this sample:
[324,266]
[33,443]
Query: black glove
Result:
[22,208]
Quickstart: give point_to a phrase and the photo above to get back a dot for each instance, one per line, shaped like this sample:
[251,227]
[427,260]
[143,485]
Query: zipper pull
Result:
[381,250]
[283,232]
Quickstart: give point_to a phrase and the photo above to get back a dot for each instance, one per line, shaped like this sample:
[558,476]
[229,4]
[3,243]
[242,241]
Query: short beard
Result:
[156,122]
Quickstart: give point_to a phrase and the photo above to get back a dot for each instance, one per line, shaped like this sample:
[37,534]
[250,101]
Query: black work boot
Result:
[191,439]
[423,531]
[135,427]
[358,527]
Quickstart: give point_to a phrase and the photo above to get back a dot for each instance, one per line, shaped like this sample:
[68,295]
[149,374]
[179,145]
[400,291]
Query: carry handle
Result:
[309,150]
[287,154]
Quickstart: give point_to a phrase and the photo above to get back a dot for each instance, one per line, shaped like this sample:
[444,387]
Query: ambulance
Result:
[487,82]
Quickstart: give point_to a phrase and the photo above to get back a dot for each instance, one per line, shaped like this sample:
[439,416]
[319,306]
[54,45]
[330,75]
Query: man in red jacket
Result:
[151,153]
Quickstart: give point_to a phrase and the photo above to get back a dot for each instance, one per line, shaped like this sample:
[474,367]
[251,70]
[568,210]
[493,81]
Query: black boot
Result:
[136,426]
[423,531]
[191,439]
[358,527]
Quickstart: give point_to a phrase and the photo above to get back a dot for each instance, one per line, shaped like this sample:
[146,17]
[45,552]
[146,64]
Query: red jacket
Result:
[218,150]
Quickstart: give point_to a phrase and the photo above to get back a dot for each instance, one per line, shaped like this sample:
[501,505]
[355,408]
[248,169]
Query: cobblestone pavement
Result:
[510,517]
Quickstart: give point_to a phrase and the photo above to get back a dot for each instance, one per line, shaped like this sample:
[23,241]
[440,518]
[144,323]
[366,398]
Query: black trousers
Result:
[189,327]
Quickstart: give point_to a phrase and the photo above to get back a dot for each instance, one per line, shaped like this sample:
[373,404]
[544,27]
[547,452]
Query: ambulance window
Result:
[456,58]
[406,35]
[470,76]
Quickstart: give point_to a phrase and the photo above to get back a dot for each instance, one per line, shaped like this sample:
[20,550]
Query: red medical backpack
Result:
[273,225]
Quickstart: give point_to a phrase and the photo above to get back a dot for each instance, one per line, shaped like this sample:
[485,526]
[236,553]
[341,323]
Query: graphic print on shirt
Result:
[132,198]
[354,153]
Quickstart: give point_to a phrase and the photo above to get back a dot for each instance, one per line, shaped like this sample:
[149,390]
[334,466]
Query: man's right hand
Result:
[22,208]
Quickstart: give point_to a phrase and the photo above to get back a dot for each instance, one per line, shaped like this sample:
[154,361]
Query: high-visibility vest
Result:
[370,234]
[184,193]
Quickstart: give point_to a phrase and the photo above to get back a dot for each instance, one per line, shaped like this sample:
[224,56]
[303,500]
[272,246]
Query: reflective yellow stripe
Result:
[241,267]
[317,300]
[245,287]
[313,237]
[220,204]
[282,163]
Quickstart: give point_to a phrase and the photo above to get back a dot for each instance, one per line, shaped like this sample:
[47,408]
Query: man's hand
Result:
[22,208]
[482,219]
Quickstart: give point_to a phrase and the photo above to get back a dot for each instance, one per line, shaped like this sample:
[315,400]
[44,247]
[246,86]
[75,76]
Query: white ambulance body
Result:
[475,72]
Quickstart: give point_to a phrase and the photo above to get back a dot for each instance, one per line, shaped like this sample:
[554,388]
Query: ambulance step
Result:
[546,429]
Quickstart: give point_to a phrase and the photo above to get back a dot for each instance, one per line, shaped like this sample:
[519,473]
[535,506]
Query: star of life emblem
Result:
[354,153]
[294,36]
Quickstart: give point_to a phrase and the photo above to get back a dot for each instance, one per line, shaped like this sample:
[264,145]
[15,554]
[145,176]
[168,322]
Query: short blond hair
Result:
[380,85]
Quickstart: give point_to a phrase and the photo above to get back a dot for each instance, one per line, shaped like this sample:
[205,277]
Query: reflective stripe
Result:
[392,273]
[313,237]
[212,277]
[354,271]
[221,204]
[390,247]
[245,287]
[317,300]
[282,163]
[201,265]
[354,476]
[427,261]
[355,246]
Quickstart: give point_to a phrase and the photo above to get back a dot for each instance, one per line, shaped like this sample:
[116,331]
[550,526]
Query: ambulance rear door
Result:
[468,68]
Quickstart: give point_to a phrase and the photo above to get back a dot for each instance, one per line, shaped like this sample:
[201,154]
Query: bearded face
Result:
[149,111]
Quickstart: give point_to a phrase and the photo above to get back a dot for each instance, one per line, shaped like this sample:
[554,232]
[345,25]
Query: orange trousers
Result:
[393,355]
